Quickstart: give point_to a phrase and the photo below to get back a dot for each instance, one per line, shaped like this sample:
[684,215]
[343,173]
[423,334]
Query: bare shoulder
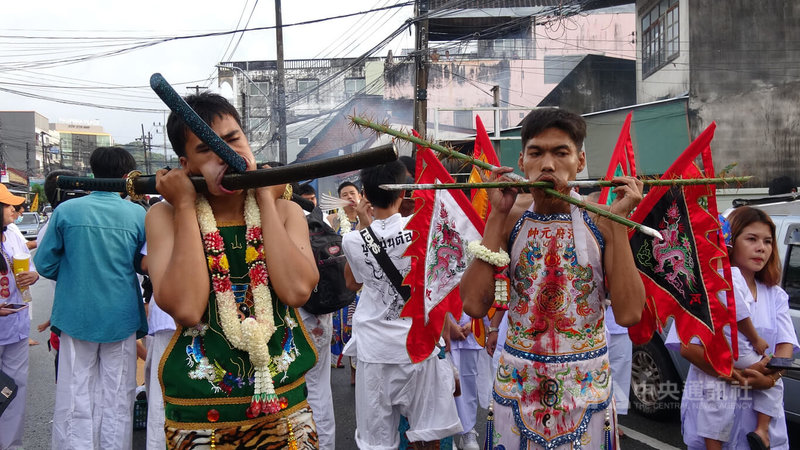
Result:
[522,204]
[160,211]
[288,209]
[511,220]
[159,220]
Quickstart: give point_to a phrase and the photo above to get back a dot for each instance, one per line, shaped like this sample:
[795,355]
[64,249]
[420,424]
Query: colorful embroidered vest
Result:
[554,370]
[208,383]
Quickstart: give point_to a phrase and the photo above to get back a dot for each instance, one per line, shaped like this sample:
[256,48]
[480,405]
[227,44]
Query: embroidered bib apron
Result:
[208,384]
[554,372]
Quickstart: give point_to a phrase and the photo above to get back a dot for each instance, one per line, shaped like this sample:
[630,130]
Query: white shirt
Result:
[12,227]
[157,319]
[42,232]
[379,333]
[770,316]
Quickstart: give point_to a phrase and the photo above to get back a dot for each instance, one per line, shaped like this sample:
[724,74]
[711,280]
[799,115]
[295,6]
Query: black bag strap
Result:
[386,264]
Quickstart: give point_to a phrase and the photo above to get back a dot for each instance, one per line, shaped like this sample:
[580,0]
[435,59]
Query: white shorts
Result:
[422,392]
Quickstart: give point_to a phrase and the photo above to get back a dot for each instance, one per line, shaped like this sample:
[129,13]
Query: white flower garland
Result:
[498,259]
[251,334]
[344,222]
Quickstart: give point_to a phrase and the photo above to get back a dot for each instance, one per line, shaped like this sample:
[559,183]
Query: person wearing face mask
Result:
[14,324]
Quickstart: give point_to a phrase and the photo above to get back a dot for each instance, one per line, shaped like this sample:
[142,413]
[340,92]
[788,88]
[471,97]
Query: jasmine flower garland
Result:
[253,333]
[500,260]
[344,222]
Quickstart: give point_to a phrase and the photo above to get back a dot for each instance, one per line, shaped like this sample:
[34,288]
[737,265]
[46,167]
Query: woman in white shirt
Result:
[752,236]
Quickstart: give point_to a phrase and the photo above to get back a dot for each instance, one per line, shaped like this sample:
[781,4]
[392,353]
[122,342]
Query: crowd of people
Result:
[234,361]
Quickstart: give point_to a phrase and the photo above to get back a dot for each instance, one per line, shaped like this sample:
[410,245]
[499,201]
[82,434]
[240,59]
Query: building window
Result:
[660,36]
[354,86]
[259,102]
[303,141]
[308,88]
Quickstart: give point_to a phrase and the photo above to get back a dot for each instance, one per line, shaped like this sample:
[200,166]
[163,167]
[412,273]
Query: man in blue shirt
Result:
[92,250]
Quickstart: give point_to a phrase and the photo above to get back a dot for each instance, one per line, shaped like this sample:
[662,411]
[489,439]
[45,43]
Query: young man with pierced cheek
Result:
[230,267]
[553,377]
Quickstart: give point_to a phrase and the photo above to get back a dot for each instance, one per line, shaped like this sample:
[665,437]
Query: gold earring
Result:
[287,193]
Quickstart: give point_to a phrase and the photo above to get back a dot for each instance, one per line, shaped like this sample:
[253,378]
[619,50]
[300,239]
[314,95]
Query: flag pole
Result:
[576,183]
[361,122]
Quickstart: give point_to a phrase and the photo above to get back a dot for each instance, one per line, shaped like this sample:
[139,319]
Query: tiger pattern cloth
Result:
[270,434]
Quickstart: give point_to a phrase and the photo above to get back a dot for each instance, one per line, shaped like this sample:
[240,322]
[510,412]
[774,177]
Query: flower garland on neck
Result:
[251,334]
[344,222]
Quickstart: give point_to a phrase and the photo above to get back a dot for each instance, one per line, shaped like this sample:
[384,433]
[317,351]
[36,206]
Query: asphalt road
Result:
[646,434]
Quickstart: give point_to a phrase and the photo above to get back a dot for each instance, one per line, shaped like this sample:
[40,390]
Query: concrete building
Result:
[524,54]
[78,139]
[26,142]
[739,65]
[315,90]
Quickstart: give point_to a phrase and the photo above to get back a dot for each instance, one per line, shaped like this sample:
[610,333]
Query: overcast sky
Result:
[32,62]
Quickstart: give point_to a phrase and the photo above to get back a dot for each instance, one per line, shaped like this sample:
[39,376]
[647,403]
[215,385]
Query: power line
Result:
[79,103]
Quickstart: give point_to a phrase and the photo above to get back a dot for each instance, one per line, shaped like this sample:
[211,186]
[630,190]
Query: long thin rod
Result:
[484,165]
[577,183]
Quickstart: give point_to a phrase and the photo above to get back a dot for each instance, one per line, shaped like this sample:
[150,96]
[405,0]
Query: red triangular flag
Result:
[623,161]
[443,223]
[680,273]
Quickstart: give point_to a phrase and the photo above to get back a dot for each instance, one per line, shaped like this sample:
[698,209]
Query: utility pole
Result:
[496,103]
[44,155]
[164,132]
[150,150]
[28,160]
[144,148]
[196,89]
[421,61]
[282,156]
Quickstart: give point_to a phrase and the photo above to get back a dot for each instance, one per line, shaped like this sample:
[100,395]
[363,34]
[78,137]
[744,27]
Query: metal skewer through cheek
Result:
[359,121]
[592,208]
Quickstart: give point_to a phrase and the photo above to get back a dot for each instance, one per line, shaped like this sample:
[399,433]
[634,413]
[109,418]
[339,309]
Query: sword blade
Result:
[146,184]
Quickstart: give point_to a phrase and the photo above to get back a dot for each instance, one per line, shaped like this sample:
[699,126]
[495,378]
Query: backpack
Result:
[331,293]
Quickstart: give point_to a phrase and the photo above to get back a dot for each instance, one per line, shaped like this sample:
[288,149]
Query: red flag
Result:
[443,223]
[484,152]
[623,161]
[680,273]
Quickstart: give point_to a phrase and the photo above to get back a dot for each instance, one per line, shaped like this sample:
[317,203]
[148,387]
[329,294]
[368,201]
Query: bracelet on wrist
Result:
[498,259]
[493,330]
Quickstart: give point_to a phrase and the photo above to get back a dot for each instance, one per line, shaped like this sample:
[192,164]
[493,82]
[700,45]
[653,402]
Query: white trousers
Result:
[156,344]
[422,392]
[318,378]
[619,357]
[14,363]
[95,394]
[466,361]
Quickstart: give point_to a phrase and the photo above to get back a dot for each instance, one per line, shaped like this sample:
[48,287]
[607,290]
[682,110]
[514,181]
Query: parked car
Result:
[31,224]
[657,374]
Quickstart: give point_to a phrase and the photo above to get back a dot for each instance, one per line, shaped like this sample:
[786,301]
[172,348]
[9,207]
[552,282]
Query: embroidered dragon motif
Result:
[676,250]
[446,247]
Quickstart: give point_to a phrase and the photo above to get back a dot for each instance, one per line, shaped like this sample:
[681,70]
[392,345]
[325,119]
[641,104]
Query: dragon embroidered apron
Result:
[554,371]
